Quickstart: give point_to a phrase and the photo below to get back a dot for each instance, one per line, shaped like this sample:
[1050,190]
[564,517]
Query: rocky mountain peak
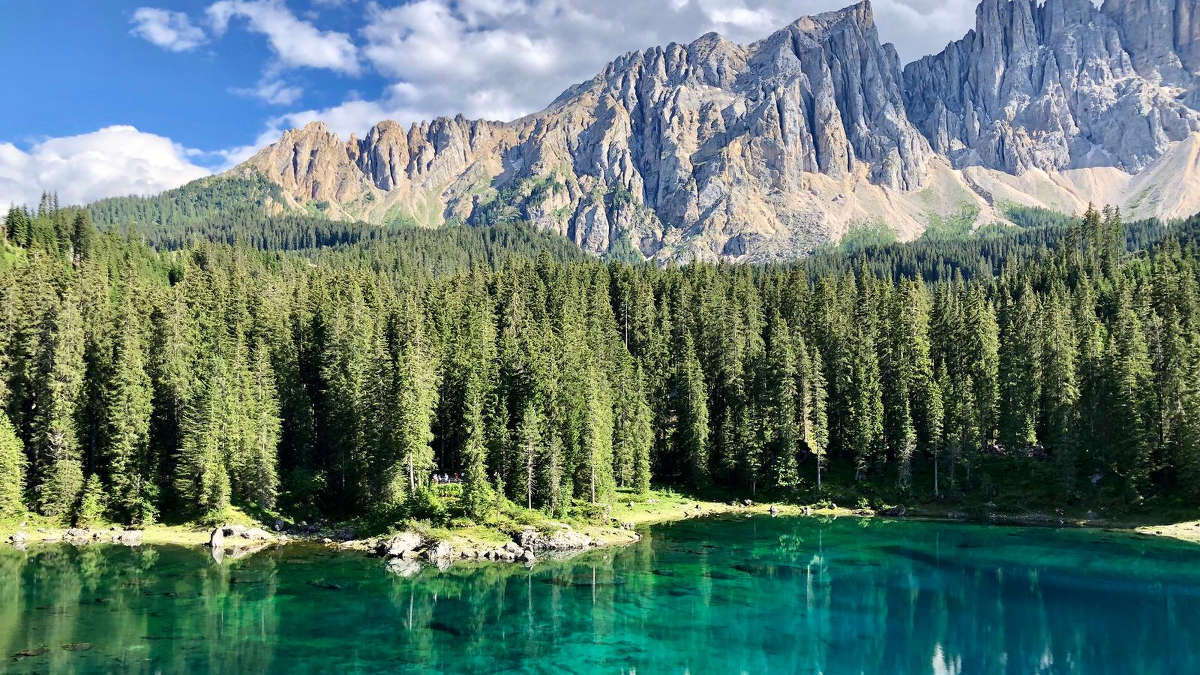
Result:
[715,149]
[1054,86]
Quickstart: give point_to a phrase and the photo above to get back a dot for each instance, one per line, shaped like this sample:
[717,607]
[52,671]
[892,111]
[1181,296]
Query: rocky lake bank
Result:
[407,550]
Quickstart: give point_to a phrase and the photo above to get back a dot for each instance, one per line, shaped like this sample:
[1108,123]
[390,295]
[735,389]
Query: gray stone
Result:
[399,544]
[128,538]
[1059,84]
[439,551]
[217,539]
[256,534]
[531,539]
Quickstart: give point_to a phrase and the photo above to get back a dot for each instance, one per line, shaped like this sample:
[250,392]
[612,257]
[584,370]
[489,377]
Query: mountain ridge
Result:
[716,150]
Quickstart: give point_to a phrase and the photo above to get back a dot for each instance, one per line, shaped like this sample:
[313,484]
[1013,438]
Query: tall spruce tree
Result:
[12,469]
[691,411]
[201,476]
[57,454]
[127,411]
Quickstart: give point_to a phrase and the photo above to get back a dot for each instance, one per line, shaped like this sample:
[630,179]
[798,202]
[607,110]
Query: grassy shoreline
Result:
[660,507]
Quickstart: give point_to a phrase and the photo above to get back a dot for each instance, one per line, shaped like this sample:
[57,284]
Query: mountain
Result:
[1056,86]
[764,151]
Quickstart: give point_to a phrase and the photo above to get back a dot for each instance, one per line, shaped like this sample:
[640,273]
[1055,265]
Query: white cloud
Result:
[297,43]
[500,59]
[172,31]
[273,91]
[113,161]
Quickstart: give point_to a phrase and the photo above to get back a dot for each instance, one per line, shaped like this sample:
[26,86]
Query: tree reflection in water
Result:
[733,595]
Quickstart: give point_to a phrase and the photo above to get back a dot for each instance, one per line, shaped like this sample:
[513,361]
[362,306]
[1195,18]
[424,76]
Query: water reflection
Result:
[754,595]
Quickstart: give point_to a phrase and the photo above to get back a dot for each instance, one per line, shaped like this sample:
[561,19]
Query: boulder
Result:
[128,538]
[439,551]
[256,534]
[894,511]
[234,530]
[747,502]
[774,510]
[528,558]
[513,548]
[530,539]
[399,544]
[217,539]
[17,537]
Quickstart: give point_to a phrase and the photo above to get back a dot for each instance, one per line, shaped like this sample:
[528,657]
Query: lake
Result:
[725,595]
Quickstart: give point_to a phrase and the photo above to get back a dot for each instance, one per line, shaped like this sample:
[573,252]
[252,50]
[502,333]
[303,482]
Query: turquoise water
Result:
[756,595]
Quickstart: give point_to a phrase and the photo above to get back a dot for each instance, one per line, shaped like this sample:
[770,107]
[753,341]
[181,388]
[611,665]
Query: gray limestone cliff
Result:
[763,151]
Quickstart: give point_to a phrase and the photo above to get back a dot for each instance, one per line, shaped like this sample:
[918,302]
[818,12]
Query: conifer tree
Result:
[529,450]
[594,472]
[980,363]
[261,478]
[691,433]
[781,421]
[625,411]
[127,411]
[477,496]
[12,469]
[865,409]
[1060,392]
[83,236]
[816,420]
[641,437]
[57,455]
[93,503]
[201,477]
[1129,378]
[1020,361]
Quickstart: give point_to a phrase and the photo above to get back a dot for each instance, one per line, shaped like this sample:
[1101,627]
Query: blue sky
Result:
[85,70]
[136,96]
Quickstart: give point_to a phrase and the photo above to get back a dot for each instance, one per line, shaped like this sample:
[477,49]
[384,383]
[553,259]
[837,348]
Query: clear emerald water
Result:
[755,595]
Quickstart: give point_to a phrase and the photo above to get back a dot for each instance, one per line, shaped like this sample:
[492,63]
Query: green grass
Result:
[952,226]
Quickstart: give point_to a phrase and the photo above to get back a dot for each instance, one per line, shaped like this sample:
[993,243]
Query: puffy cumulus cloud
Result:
[114,161]
[500,59]
[295,42]
[172,31]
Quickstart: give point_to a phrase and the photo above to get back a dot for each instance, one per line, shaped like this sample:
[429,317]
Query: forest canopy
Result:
[260,364]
